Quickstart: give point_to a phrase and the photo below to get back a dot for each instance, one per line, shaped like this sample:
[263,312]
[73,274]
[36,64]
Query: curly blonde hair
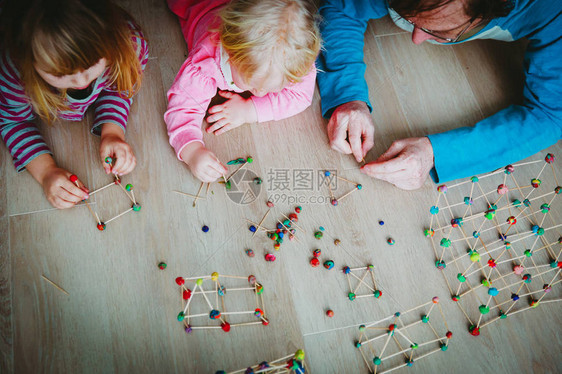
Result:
[280,33]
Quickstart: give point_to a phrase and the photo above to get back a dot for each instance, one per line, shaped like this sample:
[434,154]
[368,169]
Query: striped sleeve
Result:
[113,106]
[19,133]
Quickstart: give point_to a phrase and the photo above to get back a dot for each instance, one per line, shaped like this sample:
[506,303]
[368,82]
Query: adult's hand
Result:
[351,129]
[406,164]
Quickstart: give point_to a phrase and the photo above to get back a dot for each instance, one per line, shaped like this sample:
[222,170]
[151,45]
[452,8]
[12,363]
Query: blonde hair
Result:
[63,37]
[283,33]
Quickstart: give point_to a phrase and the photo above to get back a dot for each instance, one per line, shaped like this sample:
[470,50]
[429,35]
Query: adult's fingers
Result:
[377,169]
[355,138]
[395,148]
[337,135]
[368,140]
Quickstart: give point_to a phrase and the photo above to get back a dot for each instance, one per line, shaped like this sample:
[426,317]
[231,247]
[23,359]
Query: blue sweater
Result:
[512,134]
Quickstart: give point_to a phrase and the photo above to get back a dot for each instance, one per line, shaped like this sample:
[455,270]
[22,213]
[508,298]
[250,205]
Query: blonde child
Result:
[60,57]
[266,47]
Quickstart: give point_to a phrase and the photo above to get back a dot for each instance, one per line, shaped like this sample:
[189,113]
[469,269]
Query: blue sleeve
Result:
[518,131]
[341,73]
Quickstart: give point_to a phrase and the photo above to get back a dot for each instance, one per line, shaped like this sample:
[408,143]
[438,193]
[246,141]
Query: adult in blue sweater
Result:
[517,131]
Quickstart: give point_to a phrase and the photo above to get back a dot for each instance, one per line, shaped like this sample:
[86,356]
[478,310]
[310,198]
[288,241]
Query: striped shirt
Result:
[17,127]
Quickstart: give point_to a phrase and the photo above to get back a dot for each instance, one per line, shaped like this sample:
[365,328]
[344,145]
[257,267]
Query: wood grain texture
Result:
[121,313]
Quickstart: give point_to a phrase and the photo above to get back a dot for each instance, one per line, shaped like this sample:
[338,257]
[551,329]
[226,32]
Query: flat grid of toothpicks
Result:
[400,340]
[499,248]
[293,363]
[210,292]
[361,286]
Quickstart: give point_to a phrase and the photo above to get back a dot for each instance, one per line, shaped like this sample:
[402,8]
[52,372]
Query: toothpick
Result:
[236,171]
[259,224]
[207,190]
[347,194]
[54,284]
[198,193]
[190,195]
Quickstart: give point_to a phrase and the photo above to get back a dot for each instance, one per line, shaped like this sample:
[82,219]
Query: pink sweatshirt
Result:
[201,75]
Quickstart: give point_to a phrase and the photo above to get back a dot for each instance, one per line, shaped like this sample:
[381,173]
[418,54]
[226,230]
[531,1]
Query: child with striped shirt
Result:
[59,58]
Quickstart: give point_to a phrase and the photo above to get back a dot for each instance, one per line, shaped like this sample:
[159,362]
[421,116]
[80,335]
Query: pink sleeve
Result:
[188,99]
[292,100]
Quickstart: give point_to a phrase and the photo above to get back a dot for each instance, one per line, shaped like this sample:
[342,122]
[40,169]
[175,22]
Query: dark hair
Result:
[482,9]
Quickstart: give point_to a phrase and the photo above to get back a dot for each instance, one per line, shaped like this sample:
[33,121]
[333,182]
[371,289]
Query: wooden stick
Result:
[119,215]
[198,193]
[54,284]
[188,194]
[347,194]
[259,224]
[236,171]
[207,190]
[101,188]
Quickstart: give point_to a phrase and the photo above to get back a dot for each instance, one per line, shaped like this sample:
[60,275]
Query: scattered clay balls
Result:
[162,265]
[334,202]
[381,223]
[101,226]
[257,180]
[250,253]
[298,209]
[180,281]
[205,228]
[314,262]
[270,257]
[330,313]
[129,187]
[390,241]
[73,178]
[317,252]
[329,264]
[108,160]
[136,207]
[252,228]
[270,204]
[318,234]
[337,242]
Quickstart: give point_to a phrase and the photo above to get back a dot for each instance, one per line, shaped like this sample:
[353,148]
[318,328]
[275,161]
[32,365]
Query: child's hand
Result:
[113,145]
[203,163]
[231,114]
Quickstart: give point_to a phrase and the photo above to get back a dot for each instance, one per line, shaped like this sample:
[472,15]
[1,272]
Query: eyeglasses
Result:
[432,33]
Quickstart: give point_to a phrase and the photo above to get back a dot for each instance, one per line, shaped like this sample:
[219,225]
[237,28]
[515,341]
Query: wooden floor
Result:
[120,315]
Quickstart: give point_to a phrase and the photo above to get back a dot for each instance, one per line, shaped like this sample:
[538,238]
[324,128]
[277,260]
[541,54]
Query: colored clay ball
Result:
[252,228]
[527,278]
[214,276]
[129,187]
[357,344]
[334,202]
[162,265]
[473,330]
[558,190]
[370,267]
[550,158]
[250,253]
[381,223]
[474,256]
[502,315]
[545,208]
[252,280]
[397,314]
[434,210]
[318,234]
[258,313]
[449,335]
[456,297]
[108,160]
[442,188]
[444,347]
[330,313]
[377,361]
[73,178]
[461,277]
[205,228]
[351,296]
[299,355]
[409,362]
[445,243]
[337,242]
[199,282]
[359,186]
[502,189]
[346,270]
[456,222]
[475,234]
[314,262]
[518,269]
[221,291]
[321,228]
[493,291]
[136,207]
[514,297]
[257,180]
[249,160]
[511,220]
[468,200]
[414,345]
[270,257]
[214,314]
[181,316]
[317,252]
[327,173]
[492,263]
[435,300]
[180,281]
[228,185]
[377,294]
[276,246]
[527,203]
[390,241]
[264,321]
[329,264]
[188,329]
[536,183]
[440,265]
[474,179]
[486,283]
[509,169]
[528,253]
[547,288]
[270,204]
[225,326]
[101,226]
[429,233]
[534,304]
[298,209]
[490,214]
[425,319]
[362,328]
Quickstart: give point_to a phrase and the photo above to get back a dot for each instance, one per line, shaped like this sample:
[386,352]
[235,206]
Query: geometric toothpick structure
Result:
[498,243]
[204,298]
[361,283]
[128,189]
[329,178]
[293,363]
[386,347]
